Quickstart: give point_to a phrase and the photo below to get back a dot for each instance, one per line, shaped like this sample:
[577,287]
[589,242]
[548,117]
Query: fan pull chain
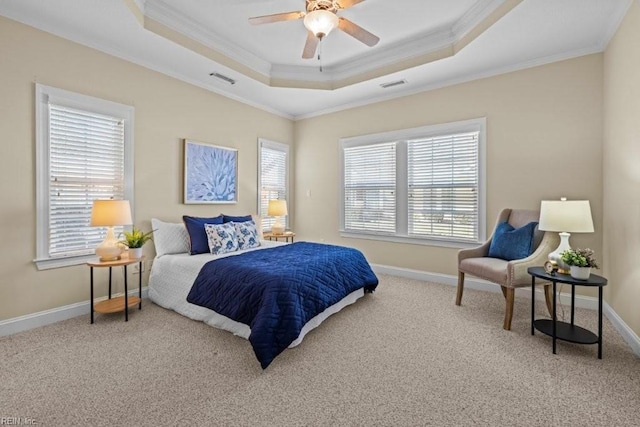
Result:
[319,53]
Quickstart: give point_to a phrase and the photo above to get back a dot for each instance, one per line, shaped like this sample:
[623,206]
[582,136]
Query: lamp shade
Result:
[108,213]
[573,216]
[277,208]
[321,22]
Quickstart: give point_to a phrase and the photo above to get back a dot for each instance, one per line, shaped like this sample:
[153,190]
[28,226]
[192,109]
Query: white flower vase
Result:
[135,253]
[580,273]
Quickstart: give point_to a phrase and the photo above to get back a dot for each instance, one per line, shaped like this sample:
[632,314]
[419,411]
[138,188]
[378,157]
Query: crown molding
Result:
[354,70]
[614,23]
[451,82]
[172,18]
[390,54]
[474,16]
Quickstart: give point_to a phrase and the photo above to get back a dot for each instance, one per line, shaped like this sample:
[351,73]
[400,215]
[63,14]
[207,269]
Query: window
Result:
[423,185]
[370,188]
[273,178]
[84,152]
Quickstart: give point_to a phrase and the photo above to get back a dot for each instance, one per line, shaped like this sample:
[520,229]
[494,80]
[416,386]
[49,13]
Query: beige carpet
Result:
[405,355]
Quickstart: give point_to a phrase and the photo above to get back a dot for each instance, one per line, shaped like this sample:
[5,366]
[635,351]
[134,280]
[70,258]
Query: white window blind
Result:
[370,188]
[84,152]
[273,179]
[443,187]
[86,162]
[422,185]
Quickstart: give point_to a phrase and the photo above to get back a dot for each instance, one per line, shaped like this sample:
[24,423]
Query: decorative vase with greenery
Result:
[580,261]
[134,240]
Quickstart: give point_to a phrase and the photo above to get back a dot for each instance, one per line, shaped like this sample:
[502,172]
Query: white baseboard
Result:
[581,301]
[623,329]
[47,317]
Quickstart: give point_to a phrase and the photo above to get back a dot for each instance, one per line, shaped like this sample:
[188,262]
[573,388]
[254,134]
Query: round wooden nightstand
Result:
[122,303]
[286,235]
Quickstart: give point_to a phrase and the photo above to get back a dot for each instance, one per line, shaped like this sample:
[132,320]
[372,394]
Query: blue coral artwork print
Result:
[210,174]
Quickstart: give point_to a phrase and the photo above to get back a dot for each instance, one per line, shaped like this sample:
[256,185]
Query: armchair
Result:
[508,274]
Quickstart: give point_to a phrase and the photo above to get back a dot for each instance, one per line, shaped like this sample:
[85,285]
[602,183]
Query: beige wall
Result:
[544,141]
[166,110]
[621,170]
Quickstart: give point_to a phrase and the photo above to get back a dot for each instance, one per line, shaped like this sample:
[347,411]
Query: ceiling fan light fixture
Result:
[321,22]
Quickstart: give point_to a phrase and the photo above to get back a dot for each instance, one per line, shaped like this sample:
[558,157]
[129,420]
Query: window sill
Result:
[411,240]
[50,263]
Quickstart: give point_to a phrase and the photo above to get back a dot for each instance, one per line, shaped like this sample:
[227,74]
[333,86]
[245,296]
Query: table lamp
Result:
[277,208]
[110,213]
[564,217]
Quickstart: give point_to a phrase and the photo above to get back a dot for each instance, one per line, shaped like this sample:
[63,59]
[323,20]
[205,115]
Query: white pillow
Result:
[169,238]
[222,238]
[247,234]
[258,221]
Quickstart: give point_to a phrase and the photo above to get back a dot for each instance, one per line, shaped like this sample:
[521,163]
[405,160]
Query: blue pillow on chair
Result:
[198,241]
[511,243]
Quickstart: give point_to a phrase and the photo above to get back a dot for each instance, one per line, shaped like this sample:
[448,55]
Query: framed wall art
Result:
[210,173]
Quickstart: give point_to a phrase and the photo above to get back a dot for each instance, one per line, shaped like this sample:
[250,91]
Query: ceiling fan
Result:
[320,19]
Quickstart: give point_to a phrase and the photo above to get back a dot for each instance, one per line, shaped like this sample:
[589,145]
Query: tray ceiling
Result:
[426,43]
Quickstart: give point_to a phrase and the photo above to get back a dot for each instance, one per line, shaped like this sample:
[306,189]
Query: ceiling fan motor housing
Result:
[329,5]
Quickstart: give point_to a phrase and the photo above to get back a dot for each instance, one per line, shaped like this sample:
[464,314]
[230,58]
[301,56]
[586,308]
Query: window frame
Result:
[402,185]
[43,96]
[277,146]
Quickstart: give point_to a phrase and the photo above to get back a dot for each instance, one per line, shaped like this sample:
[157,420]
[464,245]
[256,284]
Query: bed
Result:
[173,276]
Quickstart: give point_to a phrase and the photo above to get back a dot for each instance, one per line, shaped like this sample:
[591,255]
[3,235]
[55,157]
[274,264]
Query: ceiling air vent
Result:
[223,77]
[392,84]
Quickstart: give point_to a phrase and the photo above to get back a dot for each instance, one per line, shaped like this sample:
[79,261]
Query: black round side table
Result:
[562,330]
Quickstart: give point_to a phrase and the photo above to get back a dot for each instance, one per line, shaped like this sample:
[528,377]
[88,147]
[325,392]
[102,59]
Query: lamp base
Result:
[118,258]
[556,256]
[277,228]
[109,249]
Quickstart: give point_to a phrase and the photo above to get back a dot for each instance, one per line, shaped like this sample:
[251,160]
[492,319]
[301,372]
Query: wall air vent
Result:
[223,77]
[392,84]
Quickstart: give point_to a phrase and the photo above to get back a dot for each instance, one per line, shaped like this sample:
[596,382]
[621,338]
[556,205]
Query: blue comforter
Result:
[276,291]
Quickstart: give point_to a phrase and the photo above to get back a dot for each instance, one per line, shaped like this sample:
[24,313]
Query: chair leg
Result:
[549,299]
[460,287]
[510,295]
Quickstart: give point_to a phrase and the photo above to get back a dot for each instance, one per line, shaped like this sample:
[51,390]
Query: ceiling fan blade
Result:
[267,19]
[358,32]
[310,46]
[344,4]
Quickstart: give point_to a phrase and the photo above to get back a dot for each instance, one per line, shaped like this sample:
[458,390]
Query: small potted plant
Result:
[580,261]
[134,240]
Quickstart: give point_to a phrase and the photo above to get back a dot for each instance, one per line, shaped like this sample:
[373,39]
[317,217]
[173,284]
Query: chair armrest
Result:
[517,269]
[478,252]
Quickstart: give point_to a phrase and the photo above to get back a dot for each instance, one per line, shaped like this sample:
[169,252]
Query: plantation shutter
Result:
[370,188]
[443,187]
[86,162]
[273,179]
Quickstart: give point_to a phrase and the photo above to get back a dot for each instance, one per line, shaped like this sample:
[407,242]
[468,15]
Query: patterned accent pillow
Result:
[247,234]
[222,238]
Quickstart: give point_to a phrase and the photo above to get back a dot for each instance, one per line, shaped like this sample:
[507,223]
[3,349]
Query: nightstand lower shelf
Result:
[115,305]
[566,331]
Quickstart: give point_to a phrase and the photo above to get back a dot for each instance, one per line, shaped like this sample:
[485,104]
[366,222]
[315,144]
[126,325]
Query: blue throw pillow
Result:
[198,242]
[511,243]
[227,218]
